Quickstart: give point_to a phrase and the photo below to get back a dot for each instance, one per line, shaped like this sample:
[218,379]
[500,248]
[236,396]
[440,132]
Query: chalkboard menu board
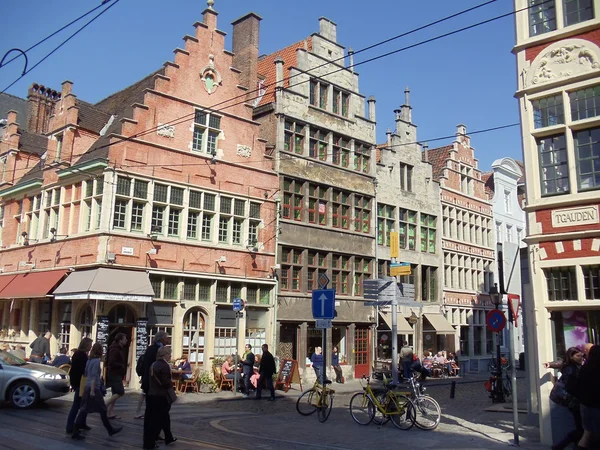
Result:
[288,374]
[141,337]
[102,333]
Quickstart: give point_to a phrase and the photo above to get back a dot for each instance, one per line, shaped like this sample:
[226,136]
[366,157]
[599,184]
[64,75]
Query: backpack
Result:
[139,367]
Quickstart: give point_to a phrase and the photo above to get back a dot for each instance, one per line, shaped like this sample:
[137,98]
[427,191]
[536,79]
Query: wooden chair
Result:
[65,367]
[192,382]
[221,381]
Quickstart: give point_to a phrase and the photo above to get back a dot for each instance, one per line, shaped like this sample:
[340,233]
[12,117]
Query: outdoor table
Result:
[177,375]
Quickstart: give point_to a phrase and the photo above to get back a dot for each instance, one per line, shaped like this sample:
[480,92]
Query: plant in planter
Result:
[207,384]
[218,361]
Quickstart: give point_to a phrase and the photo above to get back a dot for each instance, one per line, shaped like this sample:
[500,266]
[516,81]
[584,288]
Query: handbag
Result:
[560,396]
[82,385]
[170,392]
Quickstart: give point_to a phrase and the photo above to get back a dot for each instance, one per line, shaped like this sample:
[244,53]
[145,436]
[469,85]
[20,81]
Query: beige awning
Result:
[403,326]
[439,323]
[106,284]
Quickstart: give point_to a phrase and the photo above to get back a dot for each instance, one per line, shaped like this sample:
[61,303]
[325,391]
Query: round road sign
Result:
[495,320]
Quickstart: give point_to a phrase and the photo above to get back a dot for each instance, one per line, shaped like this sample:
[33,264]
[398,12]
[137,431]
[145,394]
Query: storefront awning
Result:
[31,284]
[439,323]
[106,284]
[403,326]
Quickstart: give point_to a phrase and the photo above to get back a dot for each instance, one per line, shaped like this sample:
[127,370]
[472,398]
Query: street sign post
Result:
[323,304]
[238,306]
[322,323]
[400,268]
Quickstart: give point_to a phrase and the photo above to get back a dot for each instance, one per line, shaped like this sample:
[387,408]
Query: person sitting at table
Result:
[184,364]
[452,364]
[427,361]
[255,375]
[229,371]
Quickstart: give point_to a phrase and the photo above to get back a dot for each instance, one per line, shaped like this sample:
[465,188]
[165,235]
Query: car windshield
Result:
[10,359]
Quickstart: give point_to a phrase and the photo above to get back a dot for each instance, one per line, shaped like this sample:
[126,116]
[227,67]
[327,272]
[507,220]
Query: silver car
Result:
[24,384]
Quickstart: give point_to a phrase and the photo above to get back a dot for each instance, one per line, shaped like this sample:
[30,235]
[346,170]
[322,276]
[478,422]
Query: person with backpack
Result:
[569,369]
[143,365]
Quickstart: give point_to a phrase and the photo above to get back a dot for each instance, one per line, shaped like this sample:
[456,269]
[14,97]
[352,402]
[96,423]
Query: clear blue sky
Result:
[467,78]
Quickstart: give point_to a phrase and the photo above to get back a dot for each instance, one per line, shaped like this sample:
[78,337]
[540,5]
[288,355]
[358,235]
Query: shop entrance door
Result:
[121,319]
[361,352]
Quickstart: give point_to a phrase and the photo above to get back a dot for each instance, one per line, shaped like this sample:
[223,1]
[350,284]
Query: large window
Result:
[561,283]
[576,11]
[362,272]
[294,137]
[293,199]
[318,93]
[548,111]
[318,144]
[341,101]
[207,128]
[408,229]
[428,284]
[385,223]
[317,204]
[591,279]
[362,213]
[167,210]
[340,211]
[341,151]
[291,269]
[428,233]
[587,152]
[542,17]
[554,173]
[585,103]
[317,265]
[362,157]
[340,271]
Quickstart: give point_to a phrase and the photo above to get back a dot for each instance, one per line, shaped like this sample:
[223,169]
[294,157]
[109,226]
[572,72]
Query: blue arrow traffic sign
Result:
[238,304]
[323,303]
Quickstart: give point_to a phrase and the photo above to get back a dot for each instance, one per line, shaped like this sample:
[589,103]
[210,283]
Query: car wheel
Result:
[23,395]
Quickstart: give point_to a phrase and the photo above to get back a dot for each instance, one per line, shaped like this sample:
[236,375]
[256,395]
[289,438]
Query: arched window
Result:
[86,321]
[193,335]
[121,315]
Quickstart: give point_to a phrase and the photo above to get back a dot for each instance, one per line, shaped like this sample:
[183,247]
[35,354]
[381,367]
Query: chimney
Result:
[245,48]
[425,152]
[371,103]
[351,59]
[210,15]
[12,129]
[279,72]
[40,103]
[328,29]
[67,88]
[406,109]
[388,134]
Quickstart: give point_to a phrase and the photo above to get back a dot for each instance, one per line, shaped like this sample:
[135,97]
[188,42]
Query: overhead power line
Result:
[54,34]
[61,44]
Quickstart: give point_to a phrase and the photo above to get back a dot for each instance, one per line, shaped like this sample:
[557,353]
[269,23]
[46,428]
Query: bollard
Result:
[452,389]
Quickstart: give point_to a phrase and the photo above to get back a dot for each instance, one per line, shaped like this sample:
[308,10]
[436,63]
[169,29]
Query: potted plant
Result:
[206,382]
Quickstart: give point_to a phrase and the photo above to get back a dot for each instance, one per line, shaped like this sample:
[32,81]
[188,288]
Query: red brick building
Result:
[148,205]
[558,67]
[468,244]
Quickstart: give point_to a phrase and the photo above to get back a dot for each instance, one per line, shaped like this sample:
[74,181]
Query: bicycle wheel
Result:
[507,385]
[324,409]
[401,411]
[307,402]
[427,413]
[380,418]
[362,408]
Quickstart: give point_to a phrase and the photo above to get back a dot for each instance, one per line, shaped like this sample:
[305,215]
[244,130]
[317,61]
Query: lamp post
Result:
[498,395]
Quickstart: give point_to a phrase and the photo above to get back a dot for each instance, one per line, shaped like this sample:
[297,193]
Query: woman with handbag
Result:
[569,369]
[78,363]
[93,395]
[159,399]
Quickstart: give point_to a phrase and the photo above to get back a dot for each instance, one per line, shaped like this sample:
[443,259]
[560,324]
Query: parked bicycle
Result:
[319,399]
[382,406]
[428,413]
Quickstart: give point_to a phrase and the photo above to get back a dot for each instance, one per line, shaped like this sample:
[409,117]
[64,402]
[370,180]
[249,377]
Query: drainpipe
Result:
[276,275]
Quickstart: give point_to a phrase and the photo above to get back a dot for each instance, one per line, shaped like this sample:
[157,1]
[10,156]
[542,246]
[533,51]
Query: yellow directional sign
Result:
[394,244]
[400,269]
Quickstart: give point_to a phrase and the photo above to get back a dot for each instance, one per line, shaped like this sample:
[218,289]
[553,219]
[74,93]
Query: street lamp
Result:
[496,299]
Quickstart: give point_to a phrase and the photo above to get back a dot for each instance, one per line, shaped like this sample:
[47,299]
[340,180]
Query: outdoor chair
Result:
[221,381]
[65,367]
[192,382]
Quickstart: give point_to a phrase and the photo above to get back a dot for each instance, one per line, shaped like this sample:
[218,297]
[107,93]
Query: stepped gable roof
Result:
[118,104]
[488,180]
[438,157]
[11,103]
[266,68]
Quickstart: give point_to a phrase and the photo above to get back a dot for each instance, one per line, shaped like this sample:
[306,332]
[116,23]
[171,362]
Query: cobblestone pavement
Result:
[223,420]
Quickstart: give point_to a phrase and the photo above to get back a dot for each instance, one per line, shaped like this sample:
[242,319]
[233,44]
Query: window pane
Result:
[123,186]
[553,165]
[176,195]
[195,199]
[542,17]
[160,193]
[209,202]
[585,103]
[548,111]
[587,144]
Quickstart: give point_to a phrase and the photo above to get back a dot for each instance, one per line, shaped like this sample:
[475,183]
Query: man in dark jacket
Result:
[266,369]
[116,369]
[247,368]
[40,349]
[160,340]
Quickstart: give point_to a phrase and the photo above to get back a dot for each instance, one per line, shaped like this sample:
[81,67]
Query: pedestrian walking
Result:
[40,349]
[266,369]
[78,362]
[406,359]
[161,338]
[587,390]
[116,364]
[569,369]
[317,363]
[335,363]
[247,368]
[158,400]
[93,395]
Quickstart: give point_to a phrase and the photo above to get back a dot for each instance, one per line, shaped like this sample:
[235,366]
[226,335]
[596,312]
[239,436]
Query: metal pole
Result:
[237,351]
[324,353]
[511,335]
[394,339]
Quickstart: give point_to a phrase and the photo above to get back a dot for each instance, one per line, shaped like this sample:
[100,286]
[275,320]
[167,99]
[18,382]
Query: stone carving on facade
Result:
[165,130]
[244,151]
[568,58]
[210,76]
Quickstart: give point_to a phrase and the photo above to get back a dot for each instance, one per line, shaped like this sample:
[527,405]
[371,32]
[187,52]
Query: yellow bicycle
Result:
[318,398]
[386,404]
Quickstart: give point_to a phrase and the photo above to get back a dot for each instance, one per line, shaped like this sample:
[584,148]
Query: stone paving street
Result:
[225,421]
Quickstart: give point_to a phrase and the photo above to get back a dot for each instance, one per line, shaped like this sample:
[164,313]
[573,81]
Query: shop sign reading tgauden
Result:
[583,215]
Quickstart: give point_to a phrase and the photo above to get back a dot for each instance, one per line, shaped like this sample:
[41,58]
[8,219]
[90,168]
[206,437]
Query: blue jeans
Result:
[74,410]
[407,368]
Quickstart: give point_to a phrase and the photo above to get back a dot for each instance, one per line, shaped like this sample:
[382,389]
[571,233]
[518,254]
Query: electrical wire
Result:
[60,45]
[56,32]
